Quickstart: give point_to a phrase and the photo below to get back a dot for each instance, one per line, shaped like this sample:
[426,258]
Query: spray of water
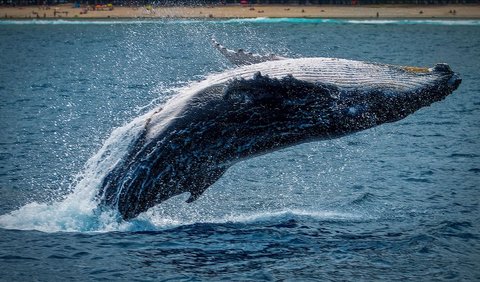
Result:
[78,210]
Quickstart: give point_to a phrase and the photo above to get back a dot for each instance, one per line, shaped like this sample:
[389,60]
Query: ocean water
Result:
[400,201]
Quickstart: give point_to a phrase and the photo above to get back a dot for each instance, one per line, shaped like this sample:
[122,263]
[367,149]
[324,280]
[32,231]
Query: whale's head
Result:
[401,94]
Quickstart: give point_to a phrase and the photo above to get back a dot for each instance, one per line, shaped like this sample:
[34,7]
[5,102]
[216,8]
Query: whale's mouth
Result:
[454,81]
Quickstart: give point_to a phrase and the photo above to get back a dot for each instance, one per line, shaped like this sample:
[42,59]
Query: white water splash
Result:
[78,210]
[152,221]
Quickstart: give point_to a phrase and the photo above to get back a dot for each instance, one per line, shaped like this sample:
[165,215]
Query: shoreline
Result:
[383,12]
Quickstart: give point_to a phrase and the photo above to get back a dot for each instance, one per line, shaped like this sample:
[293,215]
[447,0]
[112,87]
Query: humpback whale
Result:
[263,104]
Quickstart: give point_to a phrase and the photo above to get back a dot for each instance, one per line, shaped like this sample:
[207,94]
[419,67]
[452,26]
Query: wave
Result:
[246,20]
[359,21]
[417,22]
[57,217]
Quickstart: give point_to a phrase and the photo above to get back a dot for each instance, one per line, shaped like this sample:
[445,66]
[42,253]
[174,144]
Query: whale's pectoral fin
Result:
[242,57]
[209,178]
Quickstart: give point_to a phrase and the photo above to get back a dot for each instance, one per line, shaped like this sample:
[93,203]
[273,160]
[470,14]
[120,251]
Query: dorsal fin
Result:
[242,57]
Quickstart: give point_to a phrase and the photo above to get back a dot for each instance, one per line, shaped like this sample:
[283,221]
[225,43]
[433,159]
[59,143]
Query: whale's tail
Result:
[242,57]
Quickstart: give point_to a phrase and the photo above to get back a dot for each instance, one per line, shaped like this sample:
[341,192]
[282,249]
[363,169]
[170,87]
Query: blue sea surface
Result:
[397,202]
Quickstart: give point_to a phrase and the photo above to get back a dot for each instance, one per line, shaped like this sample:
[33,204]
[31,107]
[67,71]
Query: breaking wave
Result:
[246,20]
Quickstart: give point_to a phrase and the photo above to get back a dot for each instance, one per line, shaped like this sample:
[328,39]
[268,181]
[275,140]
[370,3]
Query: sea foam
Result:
[245,21]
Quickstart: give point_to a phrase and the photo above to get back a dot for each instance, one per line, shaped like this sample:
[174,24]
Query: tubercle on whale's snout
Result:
[454,78]
[442,68]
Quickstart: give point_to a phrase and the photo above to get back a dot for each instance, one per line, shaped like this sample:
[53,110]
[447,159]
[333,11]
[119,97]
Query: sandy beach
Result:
[253,11]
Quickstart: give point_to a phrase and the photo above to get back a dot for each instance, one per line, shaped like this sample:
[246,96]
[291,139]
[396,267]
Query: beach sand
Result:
[253,11]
